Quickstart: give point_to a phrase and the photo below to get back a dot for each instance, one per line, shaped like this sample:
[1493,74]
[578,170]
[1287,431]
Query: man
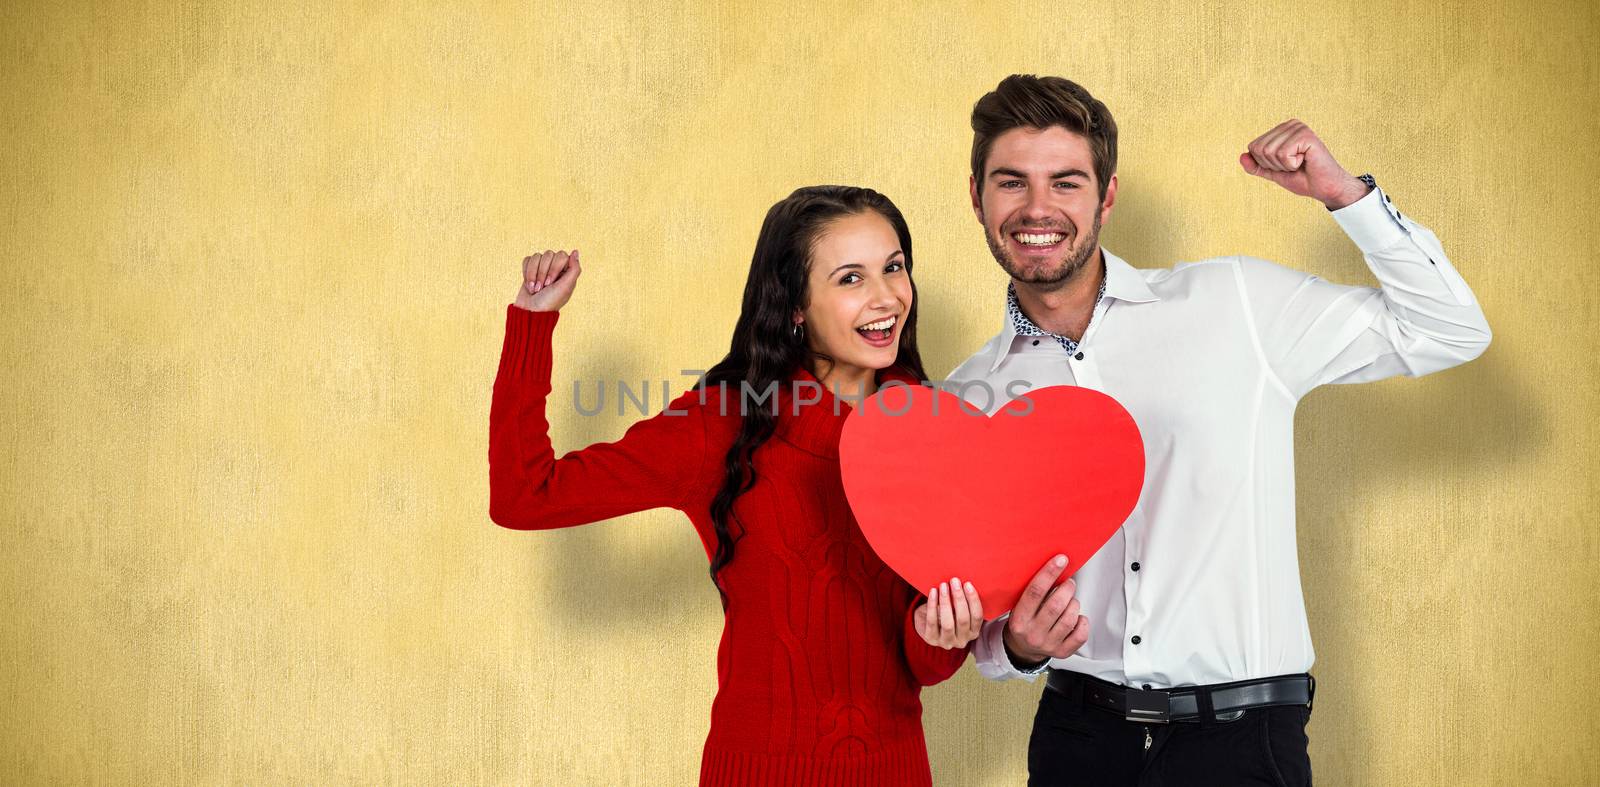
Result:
[1194,670]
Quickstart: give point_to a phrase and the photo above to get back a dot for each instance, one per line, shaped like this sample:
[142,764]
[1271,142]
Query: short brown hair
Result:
[1028,101]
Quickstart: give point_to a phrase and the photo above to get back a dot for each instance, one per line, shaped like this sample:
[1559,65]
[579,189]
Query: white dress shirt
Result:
[1201,584]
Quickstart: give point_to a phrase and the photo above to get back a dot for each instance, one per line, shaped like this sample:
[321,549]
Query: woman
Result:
[824,649]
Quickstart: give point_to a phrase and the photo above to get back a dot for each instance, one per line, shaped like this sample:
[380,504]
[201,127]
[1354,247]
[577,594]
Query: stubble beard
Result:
[1043,279]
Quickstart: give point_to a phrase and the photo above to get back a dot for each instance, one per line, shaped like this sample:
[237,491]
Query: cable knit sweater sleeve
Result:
[929,664]
[653,465]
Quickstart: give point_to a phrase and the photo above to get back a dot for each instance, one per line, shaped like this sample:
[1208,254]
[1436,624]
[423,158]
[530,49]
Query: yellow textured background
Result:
[256,261]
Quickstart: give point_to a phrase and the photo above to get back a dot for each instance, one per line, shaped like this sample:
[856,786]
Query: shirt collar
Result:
[1022,326]
[1122,281]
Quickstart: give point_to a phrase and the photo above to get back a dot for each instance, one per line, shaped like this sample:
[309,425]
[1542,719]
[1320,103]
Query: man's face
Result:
[1039,204]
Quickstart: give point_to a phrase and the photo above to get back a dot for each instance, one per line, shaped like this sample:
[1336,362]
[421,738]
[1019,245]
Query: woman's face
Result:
[860,293]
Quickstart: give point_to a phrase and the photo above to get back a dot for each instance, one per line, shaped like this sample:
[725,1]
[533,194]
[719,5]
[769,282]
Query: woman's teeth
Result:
[879,330]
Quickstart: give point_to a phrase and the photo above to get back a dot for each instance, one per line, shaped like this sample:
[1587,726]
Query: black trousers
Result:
[1075,744]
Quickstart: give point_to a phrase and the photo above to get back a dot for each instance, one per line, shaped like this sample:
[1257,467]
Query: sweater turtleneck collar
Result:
[815,427]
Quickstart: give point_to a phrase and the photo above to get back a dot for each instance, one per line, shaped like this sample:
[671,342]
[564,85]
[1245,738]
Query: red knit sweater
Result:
[819,667]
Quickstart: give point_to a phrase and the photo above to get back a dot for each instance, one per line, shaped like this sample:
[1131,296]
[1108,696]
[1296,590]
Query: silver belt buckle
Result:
[1150,707]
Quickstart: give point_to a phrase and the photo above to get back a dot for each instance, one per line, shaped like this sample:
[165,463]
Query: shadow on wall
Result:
[1354,441]
[1140,229]
[977,729]
[598,577]
[1473,420]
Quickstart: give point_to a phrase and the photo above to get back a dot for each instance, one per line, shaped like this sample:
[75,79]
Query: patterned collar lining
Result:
[1025,326]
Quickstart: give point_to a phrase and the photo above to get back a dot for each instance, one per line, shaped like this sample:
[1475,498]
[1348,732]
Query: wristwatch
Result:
[1372,185]
[1032,669]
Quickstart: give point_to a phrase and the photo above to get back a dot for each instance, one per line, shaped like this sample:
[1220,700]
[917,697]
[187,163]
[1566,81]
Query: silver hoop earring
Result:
[798,333]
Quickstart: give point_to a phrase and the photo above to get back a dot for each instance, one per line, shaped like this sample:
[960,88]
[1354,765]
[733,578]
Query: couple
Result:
[1178,654]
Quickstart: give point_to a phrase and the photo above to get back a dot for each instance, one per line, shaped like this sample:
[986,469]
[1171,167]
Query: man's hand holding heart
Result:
[1045,623]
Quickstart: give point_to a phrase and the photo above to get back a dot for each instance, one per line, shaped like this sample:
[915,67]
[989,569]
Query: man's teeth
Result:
[1033,239]
[881,325]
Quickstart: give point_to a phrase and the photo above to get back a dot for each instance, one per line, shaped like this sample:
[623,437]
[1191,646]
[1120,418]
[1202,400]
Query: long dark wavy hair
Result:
[765,349]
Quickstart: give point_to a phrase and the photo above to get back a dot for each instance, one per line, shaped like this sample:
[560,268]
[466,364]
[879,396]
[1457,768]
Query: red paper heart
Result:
[942,490]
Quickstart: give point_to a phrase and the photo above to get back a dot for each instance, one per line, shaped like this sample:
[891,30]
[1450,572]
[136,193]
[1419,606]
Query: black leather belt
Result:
[1226,701]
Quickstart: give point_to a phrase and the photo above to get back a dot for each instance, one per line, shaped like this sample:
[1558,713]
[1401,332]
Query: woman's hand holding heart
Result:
[951,617]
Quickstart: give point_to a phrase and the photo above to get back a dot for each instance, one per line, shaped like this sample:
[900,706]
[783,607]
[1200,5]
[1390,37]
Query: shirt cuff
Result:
[989,651]
[1371,222]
